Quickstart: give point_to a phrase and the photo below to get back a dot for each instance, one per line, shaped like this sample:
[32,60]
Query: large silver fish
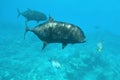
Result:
[53,31]
[32,15]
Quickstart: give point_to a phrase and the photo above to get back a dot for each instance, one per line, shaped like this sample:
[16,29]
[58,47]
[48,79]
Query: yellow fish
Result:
[99,46]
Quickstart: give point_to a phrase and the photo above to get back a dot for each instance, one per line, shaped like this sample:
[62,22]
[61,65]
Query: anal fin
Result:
[44,45]
[64,45]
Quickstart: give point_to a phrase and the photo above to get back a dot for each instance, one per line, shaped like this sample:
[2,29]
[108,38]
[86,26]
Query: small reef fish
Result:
[56,64]
[99,46]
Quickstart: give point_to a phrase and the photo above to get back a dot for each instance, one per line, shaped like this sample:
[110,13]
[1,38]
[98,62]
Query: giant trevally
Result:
[32,15]
[53,31]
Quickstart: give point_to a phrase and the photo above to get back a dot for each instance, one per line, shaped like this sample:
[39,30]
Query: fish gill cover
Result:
[97,59]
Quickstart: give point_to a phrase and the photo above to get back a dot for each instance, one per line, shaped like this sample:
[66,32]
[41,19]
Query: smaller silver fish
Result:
[32,15]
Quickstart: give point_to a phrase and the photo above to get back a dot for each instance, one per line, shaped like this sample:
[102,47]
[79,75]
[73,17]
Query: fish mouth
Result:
[83,41]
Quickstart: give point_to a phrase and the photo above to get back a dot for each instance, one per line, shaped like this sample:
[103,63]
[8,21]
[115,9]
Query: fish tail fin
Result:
[19,13]
[26,29]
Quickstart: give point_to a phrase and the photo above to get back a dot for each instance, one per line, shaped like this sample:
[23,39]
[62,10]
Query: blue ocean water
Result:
[97,59]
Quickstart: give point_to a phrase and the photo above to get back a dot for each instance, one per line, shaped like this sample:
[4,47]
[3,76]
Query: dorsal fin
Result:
[51,19]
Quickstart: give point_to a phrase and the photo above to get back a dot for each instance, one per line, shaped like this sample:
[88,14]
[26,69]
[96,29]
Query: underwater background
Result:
[97,59]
